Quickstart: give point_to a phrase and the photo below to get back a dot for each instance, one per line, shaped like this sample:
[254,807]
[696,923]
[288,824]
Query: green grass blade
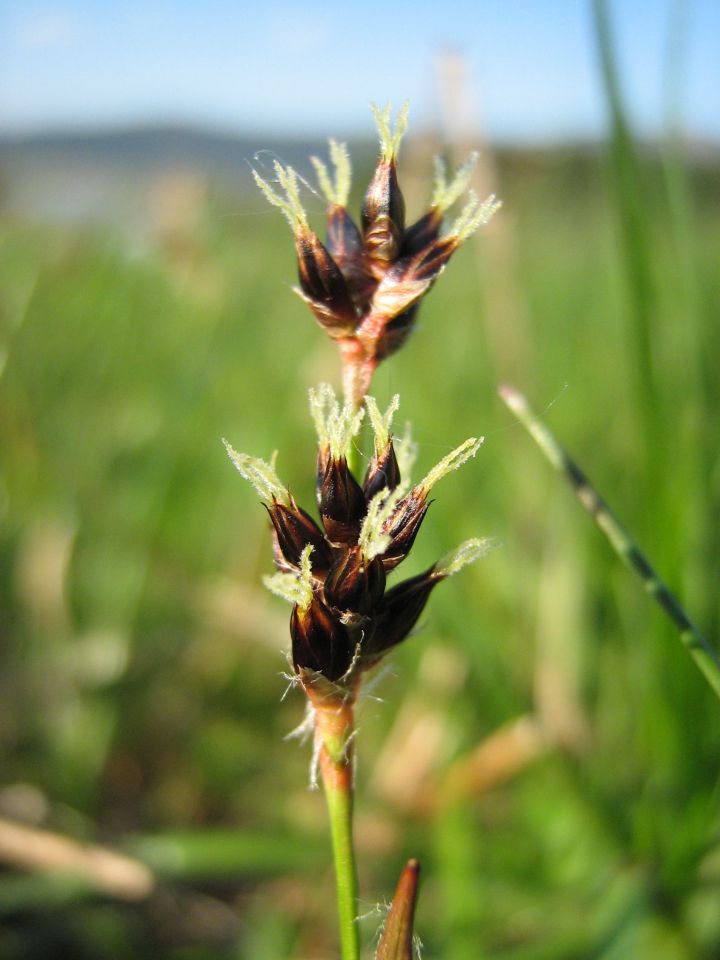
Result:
[633,221]
[702,652]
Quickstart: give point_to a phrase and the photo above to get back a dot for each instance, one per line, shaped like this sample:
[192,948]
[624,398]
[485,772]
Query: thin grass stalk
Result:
[702,652]
[676,178]
[697,371]
[504,309]
[632,217]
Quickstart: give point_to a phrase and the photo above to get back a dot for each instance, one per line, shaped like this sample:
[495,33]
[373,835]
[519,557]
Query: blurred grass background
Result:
[544,746]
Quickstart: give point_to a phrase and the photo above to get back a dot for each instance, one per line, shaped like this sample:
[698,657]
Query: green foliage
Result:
[141,658]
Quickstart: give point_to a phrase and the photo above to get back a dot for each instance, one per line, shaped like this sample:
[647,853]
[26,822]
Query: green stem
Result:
[354,457]
[703,653]
[357,374]
[340,809]
[334,729]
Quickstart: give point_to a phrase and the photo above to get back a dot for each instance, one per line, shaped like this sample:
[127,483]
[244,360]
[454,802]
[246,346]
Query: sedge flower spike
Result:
[364,284]
[344,619]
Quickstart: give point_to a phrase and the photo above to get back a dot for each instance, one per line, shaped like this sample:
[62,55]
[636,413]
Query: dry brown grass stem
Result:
[104,870]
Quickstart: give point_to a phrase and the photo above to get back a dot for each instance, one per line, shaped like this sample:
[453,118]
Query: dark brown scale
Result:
[342,503]
[423,232]
[428,264]
[399,611]
[383,214]
[395,333]
[403,527]
[383,472]
[320,642]
[344,240]
[354,584]
[323,458]
[345,243]
[294,530]
[322,281]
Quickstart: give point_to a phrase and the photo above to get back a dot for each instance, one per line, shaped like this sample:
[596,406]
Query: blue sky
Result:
[311,68]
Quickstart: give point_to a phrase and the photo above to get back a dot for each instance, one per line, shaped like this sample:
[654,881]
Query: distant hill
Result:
[103,175]
[152,148]
[106,175]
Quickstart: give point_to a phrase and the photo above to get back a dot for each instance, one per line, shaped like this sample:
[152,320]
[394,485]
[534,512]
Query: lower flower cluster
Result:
[344,619]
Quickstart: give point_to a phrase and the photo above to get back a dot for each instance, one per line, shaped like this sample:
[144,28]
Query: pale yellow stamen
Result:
[336,426]
[294,587]
[336,193]
[381,422]
[467,552]
[474,214]
[390,138]
[451,462]
[445,194]
[373,540]
[260,474]
[290,203]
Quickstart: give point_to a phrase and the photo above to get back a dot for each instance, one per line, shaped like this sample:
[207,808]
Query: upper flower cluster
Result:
[343,619]
[364,284]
